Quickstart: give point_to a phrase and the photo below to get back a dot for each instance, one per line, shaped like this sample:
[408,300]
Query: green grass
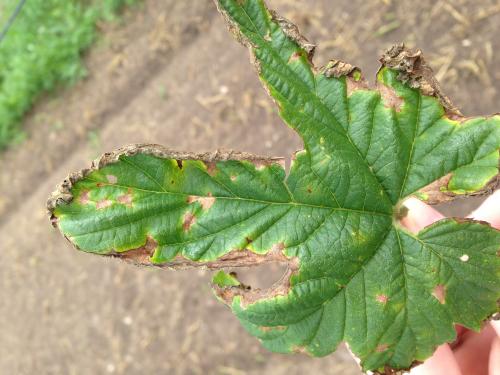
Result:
[42,50]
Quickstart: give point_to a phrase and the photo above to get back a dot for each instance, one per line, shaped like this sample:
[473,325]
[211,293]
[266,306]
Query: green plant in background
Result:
[354,273]
[43,49]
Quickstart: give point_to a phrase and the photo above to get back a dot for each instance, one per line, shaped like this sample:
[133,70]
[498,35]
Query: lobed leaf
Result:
[354,273]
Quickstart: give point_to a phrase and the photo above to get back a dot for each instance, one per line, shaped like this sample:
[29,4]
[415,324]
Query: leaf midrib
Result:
[253,200]
[413,141]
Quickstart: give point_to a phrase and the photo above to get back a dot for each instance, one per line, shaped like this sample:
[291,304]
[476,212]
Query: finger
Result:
[419,215]
[496,326]
[473,353]
[442,362]
[495,350]
[489,211]
[461,330]
[495,357]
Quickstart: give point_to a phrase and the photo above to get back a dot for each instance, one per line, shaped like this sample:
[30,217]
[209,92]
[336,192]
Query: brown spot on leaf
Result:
[260,164]
[104,203]
[382,298]
[141,254]
[390,98]
[382,348]
[125,199]
[188,221]
[275,328]
[111,179]
[84,197]
[353,85]
[211,167]
[309,190]
[232,177]
[249,240]
[278,247]
[205,202]
[440,293]
[298,349]
[179,163]
[294,57]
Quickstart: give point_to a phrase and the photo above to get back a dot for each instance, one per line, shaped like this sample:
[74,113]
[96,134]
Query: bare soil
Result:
[169,73]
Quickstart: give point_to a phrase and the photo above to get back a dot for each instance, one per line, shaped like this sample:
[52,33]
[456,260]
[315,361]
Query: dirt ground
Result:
[170,73]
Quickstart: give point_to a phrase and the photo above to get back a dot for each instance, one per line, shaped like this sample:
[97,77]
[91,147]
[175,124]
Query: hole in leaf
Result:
[440,293]
[460,207]
[262,277]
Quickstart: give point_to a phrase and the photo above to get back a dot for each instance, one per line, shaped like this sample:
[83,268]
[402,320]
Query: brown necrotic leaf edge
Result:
[415,72]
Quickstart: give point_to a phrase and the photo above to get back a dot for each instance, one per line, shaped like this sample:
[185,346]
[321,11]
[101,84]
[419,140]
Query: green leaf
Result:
[222,279]
[354,274]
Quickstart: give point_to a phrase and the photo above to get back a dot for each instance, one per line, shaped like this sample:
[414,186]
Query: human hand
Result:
[471,353]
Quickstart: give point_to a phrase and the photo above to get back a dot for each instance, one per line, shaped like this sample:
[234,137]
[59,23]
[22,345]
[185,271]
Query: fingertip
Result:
[489,211]
[419,215]
[442,362]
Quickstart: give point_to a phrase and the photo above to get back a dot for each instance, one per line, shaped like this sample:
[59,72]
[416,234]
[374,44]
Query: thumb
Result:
[419,215]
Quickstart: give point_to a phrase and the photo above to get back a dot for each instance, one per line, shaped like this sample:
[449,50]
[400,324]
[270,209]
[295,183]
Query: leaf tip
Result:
[414,71]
